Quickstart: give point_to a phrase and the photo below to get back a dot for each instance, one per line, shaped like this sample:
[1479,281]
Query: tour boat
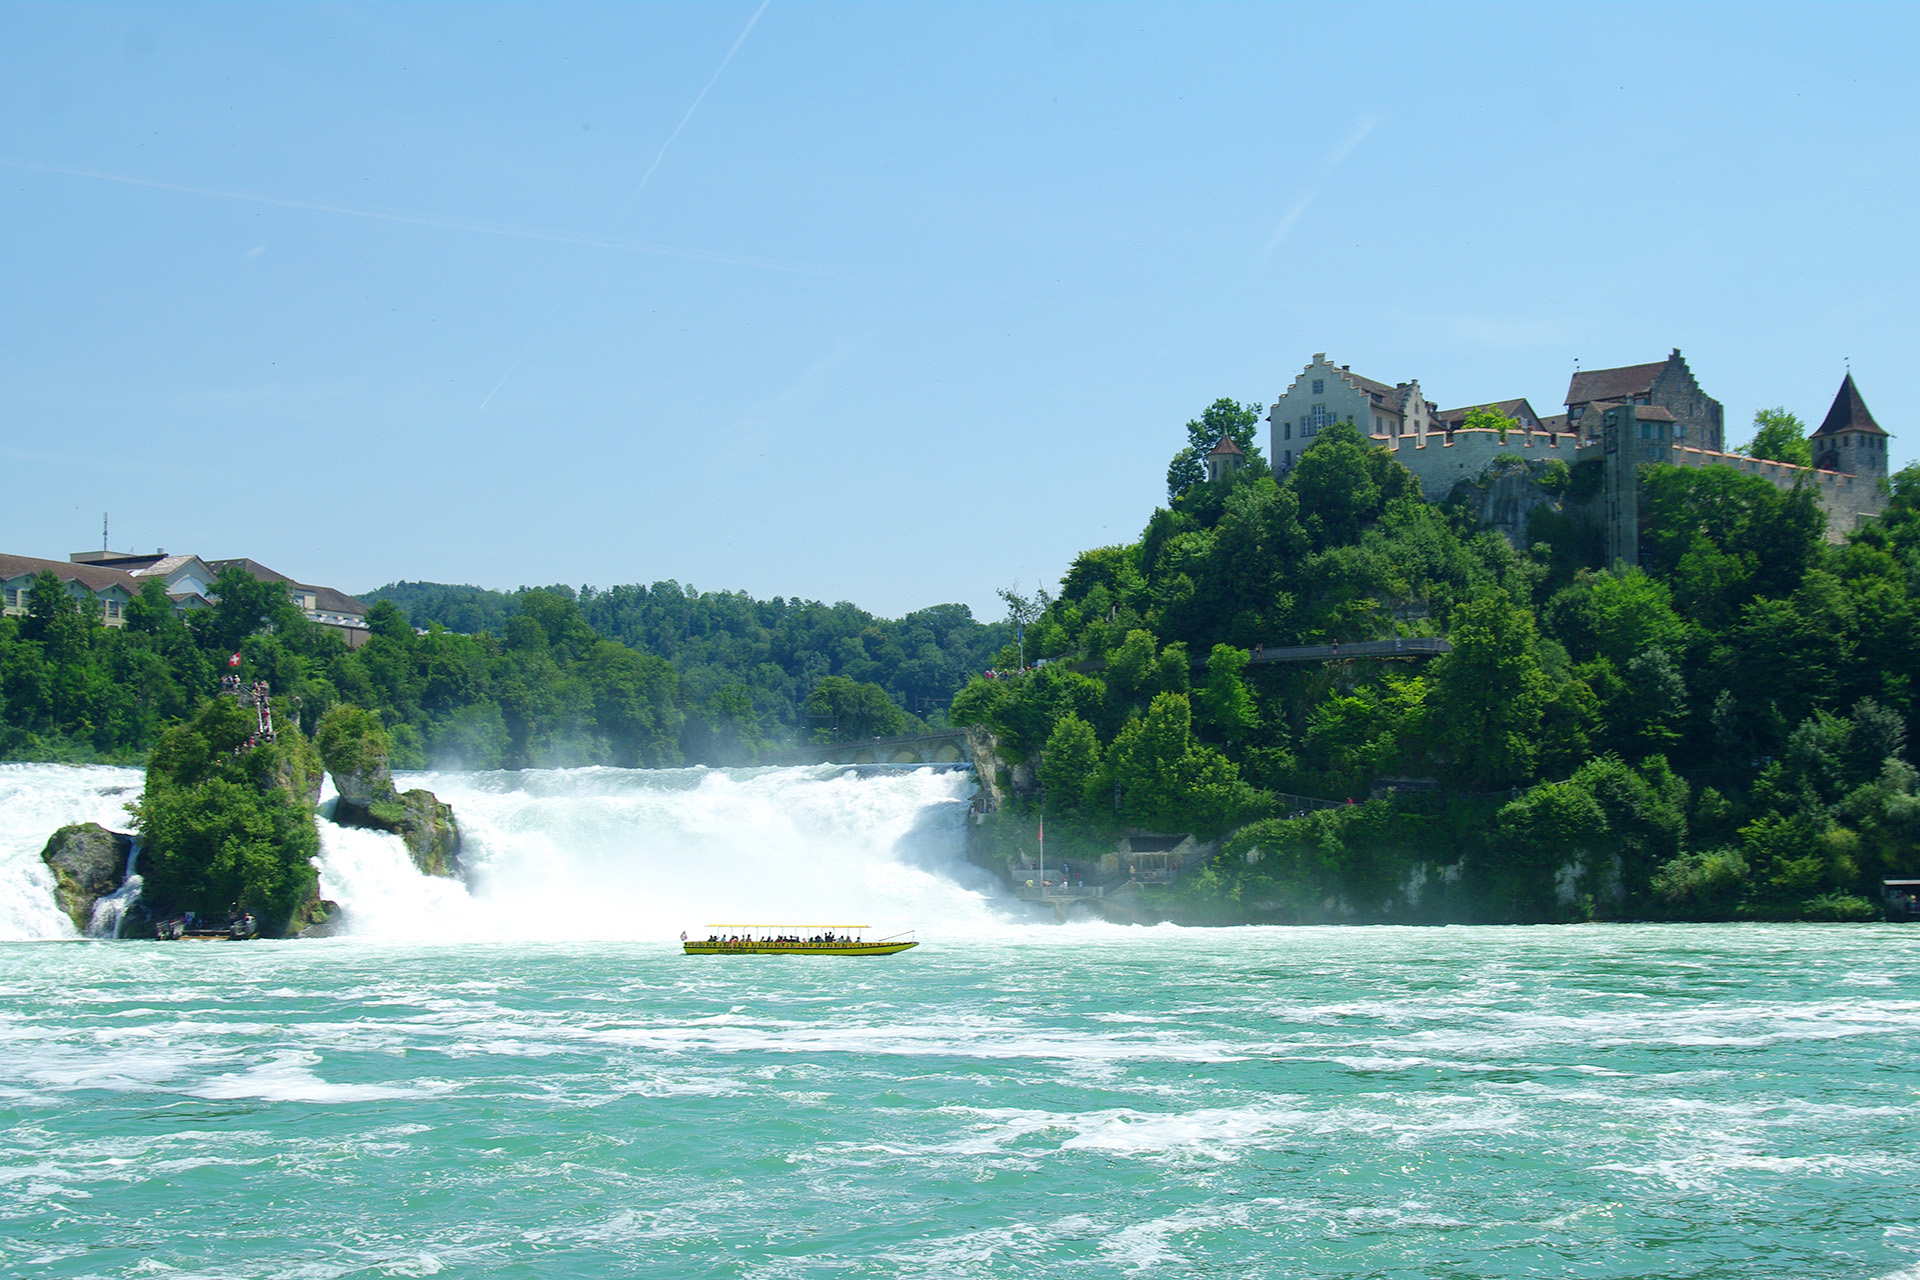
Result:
[794,940]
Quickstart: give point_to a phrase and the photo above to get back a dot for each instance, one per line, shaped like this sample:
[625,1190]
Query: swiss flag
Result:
[234,661]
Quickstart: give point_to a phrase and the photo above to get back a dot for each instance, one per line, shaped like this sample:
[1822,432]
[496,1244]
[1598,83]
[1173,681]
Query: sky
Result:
[895,304]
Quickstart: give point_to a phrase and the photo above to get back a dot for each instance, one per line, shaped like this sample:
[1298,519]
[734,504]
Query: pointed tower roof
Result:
[1226,445]
[1849,413]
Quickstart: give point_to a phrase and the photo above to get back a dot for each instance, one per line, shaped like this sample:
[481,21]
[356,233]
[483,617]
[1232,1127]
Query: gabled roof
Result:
[92,577]
[1849,413]
[1556,422]
[164,567]
[1226,445]
[1394,398]
[1623,383]
[1519,410]
[325,599]
[255,570]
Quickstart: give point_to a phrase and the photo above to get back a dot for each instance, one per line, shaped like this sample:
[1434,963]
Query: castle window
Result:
[1319,386]
[13,597]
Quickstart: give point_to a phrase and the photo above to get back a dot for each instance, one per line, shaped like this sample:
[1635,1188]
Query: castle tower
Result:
[1224,458]
[1850,440]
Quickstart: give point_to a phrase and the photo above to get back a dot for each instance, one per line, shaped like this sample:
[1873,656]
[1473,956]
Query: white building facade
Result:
[1325,393]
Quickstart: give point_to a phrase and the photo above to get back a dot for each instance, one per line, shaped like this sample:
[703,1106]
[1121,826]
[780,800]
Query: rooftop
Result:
[1849,413]
[1624,383]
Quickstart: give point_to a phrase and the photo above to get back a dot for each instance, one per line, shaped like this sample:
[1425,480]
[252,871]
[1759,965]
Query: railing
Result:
[1399,647]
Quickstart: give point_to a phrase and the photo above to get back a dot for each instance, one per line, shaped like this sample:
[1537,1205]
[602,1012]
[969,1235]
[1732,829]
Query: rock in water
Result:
[88,863]
[432,836]
[355,749]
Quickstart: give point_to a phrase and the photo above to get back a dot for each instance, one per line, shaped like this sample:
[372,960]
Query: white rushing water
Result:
[35,801]
[110,912]
[587,853]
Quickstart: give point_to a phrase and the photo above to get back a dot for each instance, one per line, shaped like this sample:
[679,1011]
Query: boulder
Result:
[430,832]
[88,863]
[318,917]
[424,823]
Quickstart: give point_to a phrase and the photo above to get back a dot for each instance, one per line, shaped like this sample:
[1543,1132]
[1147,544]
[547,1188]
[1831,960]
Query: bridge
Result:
[1399,647]
[944,747]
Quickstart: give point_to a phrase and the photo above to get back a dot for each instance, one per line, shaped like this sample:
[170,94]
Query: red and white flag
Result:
[234,661]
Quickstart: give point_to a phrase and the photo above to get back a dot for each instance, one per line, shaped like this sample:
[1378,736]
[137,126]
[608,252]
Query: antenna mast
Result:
[103,531]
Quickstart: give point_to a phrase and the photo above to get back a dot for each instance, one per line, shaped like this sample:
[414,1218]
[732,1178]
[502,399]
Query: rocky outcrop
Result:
[318,918]
[424,823]
[355,749]
[984,751]
[88,863]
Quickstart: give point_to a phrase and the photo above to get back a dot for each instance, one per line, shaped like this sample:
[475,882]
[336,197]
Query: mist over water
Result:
[644,854]
[595,853]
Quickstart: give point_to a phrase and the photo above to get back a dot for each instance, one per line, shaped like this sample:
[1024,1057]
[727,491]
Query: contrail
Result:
[440,223]
[1355,136]
[738,41]
[644,179]
[537,331]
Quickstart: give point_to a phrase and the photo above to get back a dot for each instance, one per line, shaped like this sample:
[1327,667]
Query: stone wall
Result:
[1847,500]
[1439,465]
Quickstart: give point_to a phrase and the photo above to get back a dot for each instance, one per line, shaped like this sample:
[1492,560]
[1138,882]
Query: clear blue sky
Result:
[917,301]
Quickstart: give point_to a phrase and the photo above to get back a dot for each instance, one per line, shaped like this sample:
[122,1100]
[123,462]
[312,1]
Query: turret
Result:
[1224,458]
[1850,440]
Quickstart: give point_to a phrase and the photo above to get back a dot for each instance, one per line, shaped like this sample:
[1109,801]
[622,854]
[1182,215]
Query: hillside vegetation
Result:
[640,676]
[1718,734]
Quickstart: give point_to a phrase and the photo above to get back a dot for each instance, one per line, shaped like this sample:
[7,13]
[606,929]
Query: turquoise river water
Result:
[1008,1100]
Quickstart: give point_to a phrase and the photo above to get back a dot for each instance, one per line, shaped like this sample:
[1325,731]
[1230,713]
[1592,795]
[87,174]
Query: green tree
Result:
[1226,704]
[1779,436]
[1490,693]
[1488,418]
[1070,768]
[845,709]
[1224,417]
[225,826]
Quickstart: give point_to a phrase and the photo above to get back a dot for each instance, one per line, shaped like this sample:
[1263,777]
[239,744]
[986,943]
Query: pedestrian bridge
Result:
[948,747]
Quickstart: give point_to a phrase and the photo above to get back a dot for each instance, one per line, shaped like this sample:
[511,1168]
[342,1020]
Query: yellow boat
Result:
[794,940]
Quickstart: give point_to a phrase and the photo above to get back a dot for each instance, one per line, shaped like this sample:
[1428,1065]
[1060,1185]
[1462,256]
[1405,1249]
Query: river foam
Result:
[596,853]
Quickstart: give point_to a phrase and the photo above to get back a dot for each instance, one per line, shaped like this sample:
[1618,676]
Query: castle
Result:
[1620,417]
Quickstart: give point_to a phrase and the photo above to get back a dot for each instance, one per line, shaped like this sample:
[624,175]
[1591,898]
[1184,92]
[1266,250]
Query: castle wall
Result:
[1848,501]
[1439,465]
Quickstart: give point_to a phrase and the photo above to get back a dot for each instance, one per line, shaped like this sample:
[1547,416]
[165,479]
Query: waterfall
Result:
[601,853]
[35,801]
[592,853]
[110,912]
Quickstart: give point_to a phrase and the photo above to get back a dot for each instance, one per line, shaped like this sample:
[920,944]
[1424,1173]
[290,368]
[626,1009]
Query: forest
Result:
[465,678]
[1717,733]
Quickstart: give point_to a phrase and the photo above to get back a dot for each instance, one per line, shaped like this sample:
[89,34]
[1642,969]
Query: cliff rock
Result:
[424,823]
[355,749]
[88,863]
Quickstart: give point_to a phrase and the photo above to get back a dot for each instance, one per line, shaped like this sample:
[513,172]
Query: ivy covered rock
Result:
[228,826]
[357,752]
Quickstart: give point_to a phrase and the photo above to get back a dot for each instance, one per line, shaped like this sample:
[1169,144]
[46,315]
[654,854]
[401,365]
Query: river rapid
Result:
[520,1075]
